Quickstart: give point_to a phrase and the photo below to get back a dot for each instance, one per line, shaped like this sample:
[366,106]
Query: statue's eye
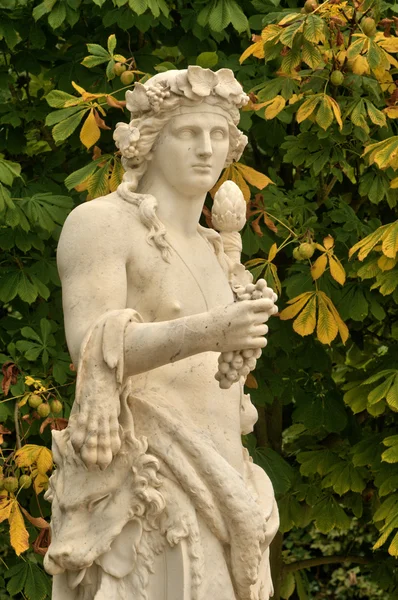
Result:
[218,134]
[97,502]
[186,133]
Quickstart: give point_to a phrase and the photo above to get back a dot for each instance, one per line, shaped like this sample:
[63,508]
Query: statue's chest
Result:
[191,282]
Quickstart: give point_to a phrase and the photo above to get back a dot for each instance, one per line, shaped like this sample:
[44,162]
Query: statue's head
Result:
[178,94]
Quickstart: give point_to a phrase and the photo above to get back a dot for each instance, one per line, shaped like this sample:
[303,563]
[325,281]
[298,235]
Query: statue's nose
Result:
[205,148]
[54,559]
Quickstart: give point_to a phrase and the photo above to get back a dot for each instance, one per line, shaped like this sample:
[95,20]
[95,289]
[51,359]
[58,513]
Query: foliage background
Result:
[327,431]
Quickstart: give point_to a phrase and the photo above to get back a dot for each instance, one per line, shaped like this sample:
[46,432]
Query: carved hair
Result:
[137,142]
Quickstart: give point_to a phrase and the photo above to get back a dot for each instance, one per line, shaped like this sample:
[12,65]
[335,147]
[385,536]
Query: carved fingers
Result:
[96,435]
[256,303]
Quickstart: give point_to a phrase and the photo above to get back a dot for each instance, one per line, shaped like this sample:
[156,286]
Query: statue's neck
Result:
[180,213]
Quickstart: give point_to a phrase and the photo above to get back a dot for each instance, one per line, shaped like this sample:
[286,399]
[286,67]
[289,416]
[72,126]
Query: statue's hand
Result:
[232,365]
[96,433]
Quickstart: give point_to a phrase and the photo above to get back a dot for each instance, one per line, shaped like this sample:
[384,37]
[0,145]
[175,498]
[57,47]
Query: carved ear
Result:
[60,439]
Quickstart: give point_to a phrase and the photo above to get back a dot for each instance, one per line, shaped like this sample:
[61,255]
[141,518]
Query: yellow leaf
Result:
[23,400]
[79,89]
[90,132]
[342,327]
[44,461]
[241,183]
[271,32]
[337,270]
[336,109]
[81,187]
[259,180]
[27,455]
[328,242]
[385,263]
[251,382]
[307,108]
[227,174]
[40,483]
[297,304]
[391,111]
[319,266]
[31,453]
[327,328]
[117,175]
[305,323]
[394,183]
[272,252]
[5,508]
[277,105]
[360,66]
[390,241]
[389,43]
[271,275]
[19,536]
[295,98]
[368,243]
[257,49]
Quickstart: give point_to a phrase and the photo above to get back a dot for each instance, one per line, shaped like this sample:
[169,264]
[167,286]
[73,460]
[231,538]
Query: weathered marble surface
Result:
[154,497]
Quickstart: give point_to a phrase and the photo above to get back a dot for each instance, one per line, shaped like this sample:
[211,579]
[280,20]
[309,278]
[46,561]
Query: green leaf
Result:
[60,115]
[324,115]
[93,61]
[9,171]
[138,6]
[375,115]
[358,116]
[98,184]
[154,8]
[82,174]
[9,286]
[288,586]
[58,99]
[42,9]
[356,48]
[277,469]
[219,17]
[392,395]
[317,412]
[311,54]
[381,390]
[57,15]
[374,55]
[111,43]
[46,209]
[110,73]
[25,289]
[316,461]
[314,29]
[36,584]
[17,575]
[291,60]
[31,334]
[207,60]
[238,18]
[65,128]
[98,50]
[329,515]
[289,33]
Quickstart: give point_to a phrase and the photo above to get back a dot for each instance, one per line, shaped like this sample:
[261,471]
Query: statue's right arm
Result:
[93,251]
[92,255]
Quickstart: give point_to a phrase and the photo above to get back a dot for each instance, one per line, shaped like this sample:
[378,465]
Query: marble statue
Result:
[154,496]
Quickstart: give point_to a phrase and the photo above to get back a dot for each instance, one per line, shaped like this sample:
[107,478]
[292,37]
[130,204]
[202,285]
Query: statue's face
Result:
[191,151]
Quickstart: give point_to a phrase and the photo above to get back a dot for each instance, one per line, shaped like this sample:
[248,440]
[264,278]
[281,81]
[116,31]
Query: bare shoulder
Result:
[98,229]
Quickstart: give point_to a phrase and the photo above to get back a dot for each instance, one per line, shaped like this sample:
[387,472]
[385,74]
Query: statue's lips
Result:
[206,167]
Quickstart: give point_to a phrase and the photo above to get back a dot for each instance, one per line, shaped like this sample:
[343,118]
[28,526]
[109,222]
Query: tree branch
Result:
[324,560]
